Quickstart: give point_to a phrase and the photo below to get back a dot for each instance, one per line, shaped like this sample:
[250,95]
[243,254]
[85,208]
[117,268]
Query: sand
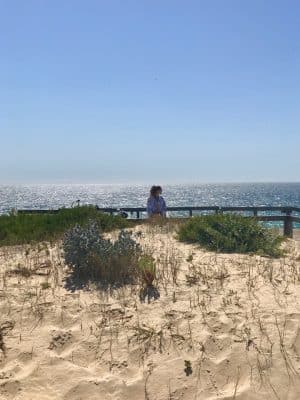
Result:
[224,327]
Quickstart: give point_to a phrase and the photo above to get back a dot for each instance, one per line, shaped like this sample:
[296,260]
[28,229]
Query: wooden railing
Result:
[285,214]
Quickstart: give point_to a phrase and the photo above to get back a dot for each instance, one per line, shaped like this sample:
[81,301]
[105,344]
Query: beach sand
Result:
[224,327]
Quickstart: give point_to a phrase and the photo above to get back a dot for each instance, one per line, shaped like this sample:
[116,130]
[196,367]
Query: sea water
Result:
[49,196]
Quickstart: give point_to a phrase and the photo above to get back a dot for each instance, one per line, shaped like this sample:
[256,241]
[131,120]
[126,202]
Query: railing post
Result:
[137,214]
[191,212]
[255,212]
[288,224]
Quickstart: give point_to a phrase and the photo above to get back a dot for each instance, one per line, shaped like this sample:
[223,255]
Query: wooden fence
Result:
[286,215]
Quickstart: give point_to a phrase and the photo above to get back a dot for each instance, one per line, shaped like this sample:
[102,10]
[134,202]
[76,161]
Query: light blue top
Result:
[156,205]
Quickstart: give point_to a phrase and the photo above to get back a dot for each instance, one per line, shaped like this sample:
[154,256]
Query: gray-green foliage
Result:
[94,258]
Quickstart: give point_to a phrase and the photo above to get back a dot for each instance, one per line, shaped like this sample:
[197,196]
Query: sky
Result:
[149,91]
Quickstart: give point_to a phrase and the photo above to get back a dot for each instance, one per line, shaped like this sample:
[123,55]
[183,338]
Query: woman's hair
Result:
[154,190]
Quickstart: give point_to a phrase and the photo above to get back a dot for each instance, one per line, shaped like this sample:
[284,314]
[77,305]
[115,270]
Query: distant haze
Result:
[149,91]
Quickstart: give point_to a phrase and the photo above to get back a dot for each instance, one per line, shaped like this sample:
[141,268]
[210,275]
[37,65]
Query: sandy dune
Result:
[225,327]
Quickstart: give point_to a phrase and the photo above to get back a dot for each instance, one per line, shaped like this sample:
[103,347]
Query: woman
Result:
[156,204]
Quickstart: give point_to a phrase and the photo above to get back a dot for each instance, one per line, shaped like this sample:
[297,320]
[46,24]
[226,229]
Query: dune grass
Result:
[30,228]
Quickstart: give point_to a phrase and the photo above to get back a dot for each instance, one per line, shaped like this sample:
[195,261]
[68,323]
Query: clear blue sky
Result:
[149,91]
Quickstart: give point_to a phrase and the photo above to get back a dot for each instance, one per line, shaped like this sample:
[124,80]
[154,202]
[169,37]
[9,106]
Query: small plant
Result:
[188,367]
[230,233]
[190,258]
[45,285]
[23,271]
[147,268]
[2,345]
[4,328]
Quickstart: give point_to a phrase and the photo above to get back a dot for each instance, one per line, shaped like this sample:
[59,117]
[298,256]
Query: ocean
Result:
[65,195]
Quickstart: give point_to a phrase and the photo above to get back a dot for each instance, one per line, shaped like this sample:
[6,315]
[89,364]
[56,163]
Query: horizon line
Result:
[149,183]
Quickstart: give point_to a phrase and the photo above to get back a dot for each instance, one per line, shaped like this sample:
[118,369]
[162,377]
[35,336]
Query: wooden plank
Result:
[270,218]
[288,226]
[38,211]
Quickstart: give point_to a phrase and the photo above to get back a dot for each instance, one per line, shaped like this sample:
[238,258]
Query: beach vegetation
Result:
[30,228]
[148,269]
[93,258]
[230,233]
[45,285]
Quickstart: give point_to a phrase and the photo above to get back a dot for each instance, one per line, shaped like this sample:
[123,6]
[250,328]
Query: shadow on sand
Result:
[73,282]
[150,293]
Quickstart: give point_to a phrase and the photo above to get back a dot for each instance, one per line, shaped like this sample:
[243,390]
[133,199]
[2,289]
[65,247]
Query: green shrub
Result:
[27,228]
[147,268]
[230,233]
[93,258]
